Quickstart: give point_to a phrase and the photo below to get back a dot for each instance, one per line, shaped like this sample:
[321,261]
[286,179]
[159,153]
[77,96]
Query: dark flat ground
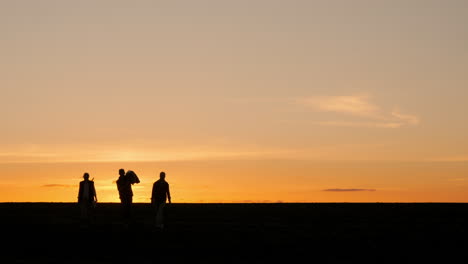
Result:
[238,233]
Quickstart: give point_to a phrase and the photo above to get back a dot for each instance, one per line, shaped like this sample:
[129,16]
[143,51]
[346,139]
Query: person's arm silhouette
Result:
[80,189]
[153,194]
[168,194]
[94,193]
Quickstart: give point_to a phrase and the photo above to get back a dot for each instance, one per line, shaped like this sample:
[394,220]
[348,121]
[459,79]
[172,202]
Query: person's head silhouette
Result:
[122,172]
[86,176]
[162,175]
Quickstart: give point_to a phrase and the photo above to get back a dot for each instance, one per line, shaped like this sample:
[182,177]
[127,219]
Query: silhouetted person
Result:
[124,185]
[158,199]
[87,198]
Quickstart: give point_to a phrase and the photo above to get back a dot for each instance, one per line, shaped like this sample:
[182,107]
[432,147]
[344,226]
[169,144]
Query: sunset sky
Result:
[237,101]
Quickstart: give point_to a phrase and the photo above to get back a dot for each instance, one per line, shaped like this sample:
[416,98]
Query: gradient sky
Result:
[237,101]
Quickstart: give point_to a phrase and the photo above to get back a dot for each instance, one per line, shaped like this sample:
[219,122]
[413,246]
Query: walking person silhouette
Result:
[158,199]
[87,199]
[124,186]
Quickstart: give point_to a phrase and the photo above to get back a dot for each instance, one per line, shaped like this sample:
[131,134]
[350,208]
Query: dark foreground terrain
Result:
[238,233]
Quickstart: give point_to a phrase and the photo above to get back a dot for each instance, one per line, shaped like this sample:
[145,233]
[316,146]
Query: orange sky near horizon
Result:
[238,101]
[246,181]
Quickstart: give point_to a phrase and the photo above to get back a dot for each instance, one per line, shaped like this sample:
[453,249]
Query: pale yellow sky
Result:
[333,83]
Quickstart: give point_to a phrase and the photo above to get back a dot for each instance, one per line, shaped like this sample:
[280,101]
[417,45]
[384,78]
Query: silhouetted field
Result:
[238,233]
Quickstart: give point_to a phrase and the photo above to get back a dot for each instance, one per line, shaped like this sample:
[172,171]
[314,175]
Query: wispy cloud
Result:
[349,190]
[405,118]
[59,186]
[359,106]
[359,124]
[458,180]
[354,105]
[140,153]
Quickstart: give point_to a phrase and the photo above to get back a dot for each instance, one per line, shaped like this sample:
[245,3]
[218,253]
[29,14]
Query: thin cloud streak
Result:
[358,106]
[353,105]
[406,118]
[359,124]
[349,190]
[73,154]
